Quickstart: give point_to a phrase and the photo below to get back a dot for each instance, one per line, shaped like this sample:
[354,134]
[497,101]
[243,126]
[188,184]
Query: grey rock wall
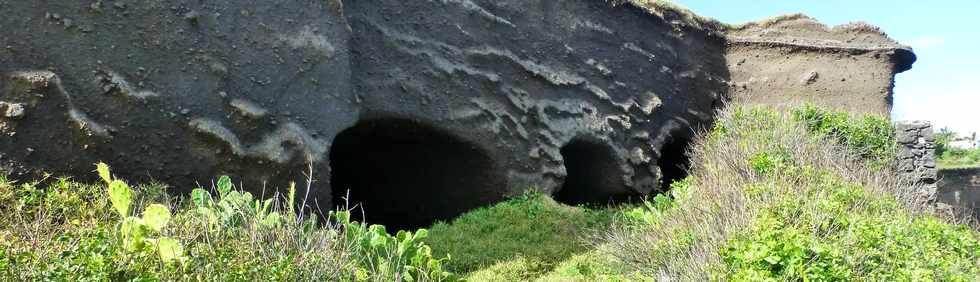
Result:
[917,153]
[415,110]
[422,109]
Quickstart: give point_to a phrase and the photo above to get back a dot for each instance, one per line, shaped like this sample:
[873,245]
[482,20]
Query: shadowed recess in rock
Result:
[674,161]
[406,175]
[593,175]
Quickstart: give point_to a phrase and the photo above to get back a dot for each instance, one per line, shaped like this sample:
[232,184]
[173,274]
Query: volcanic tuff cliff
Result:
[422,109]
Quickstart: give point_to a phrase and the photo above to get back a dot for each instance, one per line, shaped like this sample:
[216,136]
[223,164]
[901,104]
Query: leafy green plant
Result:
[404,256]
[769,162]
[653,211]
[833,230]
[870,136]
[137,232]
[232,206]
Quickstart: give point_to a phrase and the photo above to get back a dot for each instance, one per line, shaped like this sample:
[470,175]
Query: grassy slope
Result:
[808,196]
[772,196]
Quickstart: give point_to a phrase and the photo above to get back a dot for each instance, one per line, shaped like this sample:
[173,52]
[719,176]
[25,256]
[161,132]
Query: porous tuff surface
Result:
[172,90]
[794,59]
[422,108]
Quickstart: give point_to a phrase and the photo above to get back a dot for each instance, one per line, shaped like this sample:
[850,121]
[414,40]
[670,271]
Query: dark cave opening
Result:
[406,175]
[673,161]
[593,175]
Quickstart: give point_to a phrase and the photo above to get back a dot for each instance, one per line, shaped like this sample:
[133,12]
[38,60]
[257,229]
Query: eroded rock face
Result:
[523,79]
[156,88]
[419,109]
[794,59]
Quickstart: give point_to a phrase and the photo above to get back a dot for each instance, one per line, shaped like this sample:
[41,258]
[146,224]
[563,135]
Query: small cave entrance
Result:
[406,175]
[673,161]
[593,175]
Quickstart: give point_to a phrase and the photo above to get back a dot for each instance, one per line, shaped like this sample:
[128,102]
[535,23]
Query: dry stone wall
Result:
[958,188]
[917,153]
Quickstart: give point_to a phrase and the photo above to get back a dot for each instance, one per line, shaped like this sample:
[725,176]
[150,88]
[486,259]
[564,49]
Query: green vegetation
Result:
[805,195]
[521,239]
[777,196]
[504,232]
[950,157]
[870,137]
[70,231]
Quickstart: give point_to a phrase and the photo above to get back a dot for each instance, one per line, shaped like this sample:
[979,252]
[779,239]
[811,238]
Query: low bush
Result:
[871,137]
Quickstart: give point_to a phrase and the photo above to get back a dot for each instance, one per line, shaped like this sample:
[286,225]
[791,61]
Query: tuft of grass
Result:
[531,233]
[806,195]
[668,10]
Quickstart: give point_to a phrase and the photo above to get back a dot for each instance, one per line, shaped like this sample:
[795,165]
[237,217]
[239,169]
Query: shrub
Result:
[870,136]
[652,211]
[401,257]
[834,230]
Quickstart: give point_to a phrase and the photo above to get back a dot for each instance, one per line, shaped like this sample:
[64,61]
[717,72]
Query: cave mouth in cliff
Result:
[593,175]
[674,161]
[405,174]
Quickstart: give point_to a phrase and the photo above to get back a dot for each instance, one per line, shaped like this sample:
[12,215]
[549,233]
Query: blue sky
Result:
[943,85]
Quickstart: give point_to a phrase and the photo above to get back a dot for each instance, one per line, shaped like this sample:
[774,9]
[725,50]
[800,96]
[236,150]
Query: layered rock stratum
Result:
[418,110]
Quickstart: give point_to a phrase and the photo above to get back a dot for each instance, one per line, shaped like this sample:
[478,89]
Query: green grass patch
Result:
[532,233]
[951,157]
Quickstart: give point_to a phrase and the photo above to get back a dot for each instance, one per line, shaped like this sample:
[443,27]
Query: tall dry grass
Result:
[686,244]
